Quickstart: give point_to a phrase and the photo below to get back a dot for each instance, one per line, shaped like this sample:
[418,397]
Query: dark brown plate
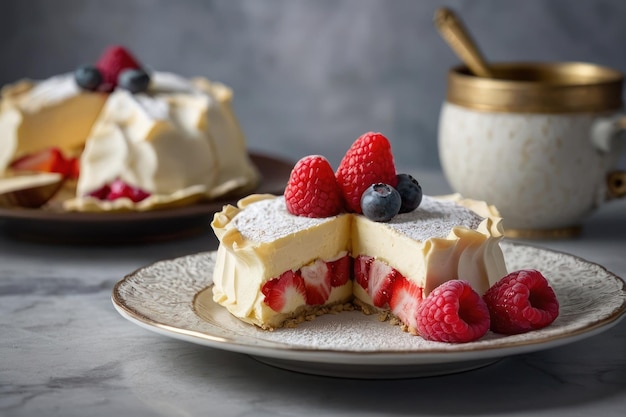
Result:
[134,227]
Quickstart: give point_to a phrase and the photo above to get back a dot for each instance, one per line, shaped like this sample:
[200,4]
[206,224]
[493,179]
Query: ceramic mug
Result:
[538,141]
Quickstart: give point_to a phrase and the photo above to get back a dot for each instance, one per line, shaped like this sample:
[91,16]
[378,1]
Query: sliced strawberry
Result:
[101,193]
[340,271]
[406,296]
[362,266]
[381,279]
[73,168]
[285,293]
[317,282]
[120,189]
[48,160]
[376,277]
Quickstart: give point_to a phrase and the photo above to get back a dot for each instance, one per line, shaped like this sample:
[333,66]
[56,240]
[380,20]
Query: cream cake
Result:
[365,236]
[326,263]
[172,141]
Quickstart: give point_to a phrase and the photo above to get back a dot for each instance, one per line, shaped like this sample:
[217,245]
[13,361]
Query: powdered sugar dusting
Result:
[354,331]
[268,220]
[434,218]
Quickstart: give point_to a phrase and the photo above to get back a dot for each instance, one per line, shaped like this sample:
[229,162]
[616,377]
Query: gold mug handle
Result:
[616,184]
[603,132]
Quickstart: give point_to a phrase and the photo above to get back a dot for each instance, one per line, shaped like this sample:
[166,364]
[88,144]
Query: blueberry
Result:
[134,80]
[88,77]
[410,192]
[380,202]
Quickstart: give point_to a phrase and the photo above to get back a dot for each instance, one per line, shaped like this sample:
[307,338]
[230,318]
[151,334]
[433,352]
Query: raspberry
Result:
[312,190]
[112,62]
[368,161]
[453,312]
[521,301]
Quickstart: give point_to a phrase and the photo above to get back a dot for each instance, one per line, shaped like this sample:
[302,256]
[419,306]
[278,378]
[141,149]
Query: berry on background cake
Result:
[365,238]
[124,137]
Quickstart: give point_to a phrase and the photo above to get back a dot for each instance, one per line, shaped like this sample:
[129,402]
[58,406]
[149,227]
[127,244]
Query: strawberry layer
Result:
[326,283]
[298,293]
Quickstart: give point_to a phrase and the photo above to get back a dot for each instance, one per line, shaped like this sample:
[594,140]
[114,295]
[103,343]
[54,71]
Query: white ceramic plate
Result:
[173,298]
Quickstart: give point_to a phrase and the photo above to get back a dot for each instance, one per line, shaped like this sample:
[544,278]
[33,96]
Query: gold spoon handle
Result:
[458,38]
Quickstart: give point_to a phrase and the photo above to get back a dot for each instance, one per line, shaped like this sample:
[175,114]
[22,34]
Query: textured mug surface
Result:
[542,171]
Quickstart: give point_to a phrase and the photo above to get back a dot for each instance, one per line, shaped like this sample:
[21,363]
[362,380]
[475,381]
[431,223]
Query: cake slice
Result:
[53,112]
[274,268]
[366,237]
[362,236]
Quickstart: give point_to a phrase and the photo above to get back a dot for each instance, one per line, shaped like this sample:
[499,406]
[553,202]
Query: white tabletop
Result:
[65,351]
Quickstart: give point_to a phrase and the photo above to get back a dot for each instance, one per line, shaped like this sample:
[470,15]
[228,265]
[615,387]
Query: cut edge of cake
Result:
[242,259]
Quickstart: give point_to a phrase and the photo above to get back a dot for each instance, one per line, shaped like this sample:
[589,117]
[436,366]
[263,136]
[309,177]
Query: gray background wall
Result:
[310,76]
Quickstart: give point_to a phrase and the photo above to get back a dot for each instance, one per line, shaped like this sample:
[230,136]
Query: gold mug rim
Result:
[538,87]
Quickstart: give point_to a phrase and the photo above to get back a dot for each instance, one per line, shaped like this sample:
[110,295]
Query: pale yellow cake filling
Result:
[53,112]
[267,241]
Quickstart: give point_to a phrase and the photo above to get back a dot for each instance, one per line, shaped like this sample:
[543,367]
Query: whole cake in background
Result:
[119,136]
[366,237]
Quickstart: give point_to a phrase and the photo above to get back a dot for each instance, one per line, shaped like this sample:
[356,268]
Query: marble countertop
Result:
[65,351]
